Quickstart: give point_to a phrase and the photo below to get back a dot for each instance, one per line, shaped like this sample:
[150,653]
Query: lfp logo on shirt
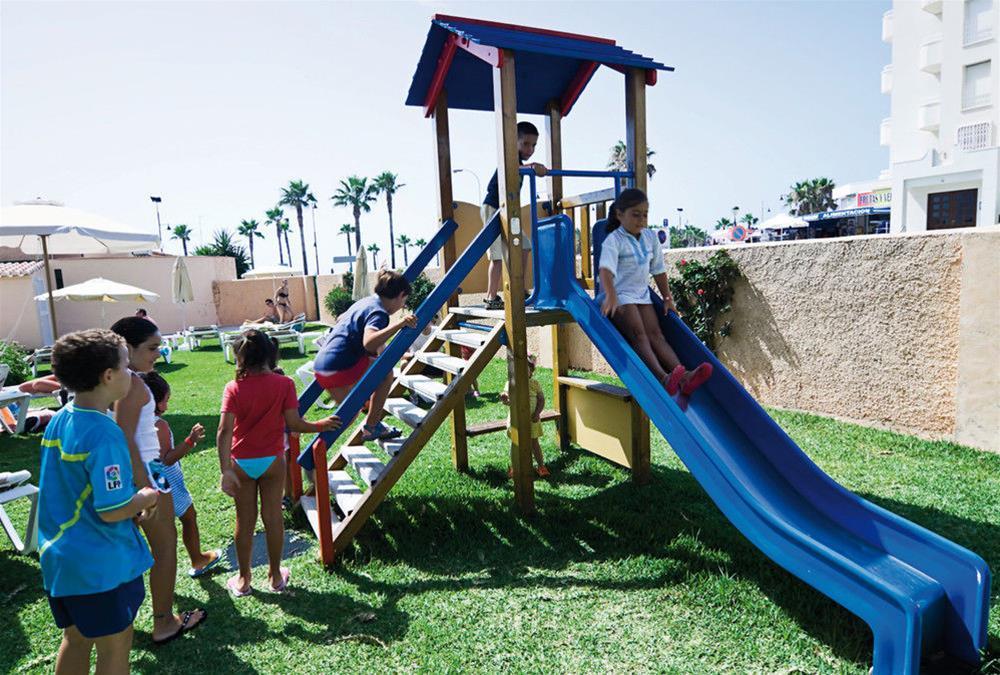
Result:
[113,477]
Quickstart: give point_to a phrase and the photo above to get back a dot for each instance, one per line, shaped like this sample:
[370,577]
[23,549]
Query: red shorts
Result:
[346,377]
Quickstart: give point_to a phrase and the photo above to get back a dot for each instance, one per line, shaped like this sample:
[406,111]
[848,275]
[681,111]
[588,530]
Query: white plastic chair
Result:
[15,486]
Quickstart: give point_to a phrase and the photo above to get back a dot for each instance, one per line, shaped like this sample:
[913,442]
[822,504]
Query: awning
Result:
[849,213]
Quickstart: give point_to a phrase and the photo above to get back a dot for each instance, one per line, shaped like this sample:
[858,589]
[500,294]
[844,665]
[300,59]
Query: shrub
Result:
[703,293]
[420,289]
[347,280]
[338,300]
[15,356]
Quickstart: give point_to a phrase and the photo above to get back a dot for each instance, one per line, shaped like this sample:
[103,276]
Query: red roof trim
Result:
[443,65]
[650,73]
[523,29]
[580,80]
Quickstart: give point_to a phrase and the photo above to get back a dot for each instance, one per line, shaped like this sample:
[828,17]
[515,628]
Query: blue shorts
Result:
[100,614]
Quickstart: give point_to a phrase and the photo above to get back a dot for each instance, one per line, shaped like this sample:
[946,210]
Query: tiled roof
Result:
[19,269]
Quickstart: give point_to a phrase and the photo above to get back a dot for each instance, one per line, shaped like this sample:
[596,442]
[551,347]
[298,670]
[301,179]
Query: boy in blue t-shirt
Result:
[92,554]
[358,336]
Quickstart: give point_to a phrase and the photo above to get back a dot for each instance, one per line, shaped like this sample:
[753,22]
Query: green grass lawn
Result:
[604,577]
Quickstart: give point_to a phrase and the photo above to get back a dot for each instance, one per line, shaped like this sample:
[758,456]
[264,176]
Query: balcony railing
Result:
[885,132]
[887,79]
[972,137]
[970,101]
[929,116]
[887,26]
[931,54]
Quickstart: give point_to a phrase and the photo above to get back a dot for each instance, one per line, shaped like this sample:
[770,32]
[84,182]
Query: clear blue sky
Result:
[216,106]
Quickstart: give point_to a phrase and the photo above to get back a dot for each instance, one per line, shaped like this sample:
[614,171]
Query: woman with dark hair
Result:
[136,415]
[629,255]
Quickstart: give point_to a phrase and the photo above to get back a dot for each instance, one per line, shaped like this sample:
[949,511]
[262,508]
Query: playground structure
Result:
[919,592]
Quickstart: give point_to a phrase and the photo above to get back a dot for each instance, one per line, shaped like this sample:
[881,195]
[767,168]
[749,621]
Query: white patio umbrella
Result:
[49,228]
[181,290]
[783,221]
[362,289]
[101,290]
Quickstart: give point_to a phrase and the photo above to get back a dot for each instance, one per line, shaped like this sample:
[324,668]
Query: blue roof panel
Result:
[546,63]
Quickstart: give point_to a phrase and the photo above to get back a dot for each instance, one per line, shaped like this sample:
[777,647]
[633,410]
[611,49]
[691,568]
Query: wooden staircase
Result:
[346,502]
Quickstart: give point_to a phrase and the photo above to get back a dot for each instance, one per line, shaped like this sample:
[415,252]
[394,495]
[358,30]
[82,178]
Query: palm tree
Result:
[274,217]
[251,230]
[811,196]
[403,242]
[386,184]
[374,249]
[182,232]
[297,196]
[723,223]
[223,246]
[359,194]
[618,160]
[347,229]
[420,244]
[749,219]
[283,228]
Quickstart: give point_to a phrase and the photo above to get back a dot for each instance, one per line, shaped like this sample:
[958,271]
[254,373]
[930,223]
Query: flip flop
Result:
[673,381]
[194,572]
[698,377]
[285,576]
[231,584]
[185,620]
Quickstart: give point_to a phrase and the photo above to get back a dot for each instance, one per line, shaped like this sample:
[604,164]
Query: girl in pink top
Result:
[257,407]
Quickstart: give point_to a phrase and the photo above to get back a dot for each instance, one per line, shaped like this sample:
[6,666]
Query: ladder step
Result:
[345,491]
[430,390]
[404,410]
[368,466]
[466,338]
[451,364]
[392,447]
[308,503]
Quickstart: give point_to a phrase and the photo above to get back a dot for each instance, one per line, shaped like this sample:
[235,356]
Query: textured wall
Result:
[896,331]
[242,300]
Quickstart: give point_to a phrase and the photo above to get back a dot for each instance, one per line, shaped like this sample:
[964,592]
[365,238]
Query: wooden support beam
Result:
[501,425]
[553,129]
[586,259]
[635,125]
[505,102]
[322,485]
[560,335]
[446,203]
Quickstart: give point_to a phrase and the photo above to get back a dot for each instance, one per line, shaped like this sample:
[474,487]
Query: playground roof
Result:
[550,65]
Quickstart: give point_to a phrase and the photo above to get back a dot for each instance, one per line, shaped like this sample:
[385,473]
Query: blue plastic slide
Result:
[919,592]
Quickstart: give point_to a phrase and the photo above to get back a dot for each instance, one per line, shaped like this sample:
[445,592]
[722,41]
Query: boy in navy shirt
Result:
[91,552]
[527,138]
[356,339]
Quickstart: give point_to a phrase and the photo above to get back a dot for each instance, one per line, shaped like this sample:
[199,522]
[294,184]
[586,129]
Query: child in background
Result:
[535,392]
[171,456]
[92,555]
[629,255]
[257,407]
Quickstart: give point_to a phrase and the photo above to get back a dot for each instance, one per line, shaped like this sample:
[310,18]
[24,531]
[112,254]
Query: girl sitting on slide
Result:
[630,254]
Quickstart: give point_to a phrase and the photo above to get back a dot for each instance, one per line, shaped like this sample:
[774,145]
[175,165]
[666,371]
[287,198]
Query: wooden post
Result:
[586,268]
[446,209]
[322,486]
[635,125]
[505,102]
[48,287]
[560,365]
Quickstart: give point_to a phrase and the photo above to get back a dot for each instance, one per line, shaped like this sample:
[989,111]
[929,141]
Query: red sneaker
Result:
[673,382]
[699,376]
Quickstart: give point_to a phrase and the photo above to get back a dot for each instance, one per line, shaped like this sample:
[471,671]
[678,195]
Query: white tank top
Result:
[145,431]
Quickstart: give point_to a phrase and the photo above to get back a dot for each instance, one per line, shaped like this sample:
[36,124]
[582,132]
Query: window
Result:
[976,87]
[59,279]
[978,20]
[952,209]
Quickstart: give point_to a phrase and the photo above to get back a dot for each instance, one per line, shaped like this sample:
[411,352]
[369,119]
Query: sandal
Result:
[673,381]
[495,303]
[379,432]
[194,572]
[698,377]
[185,620]
[232,585]
[285,576]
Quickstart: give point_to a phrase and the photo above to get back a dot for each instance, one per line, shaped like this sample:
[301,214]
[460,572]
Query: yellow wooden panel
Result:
[470,222]
[599,423]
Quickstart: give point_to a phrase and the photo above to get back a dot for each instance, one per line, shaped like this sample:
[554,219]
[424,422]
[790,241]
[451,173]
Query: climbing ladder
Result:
[376,467]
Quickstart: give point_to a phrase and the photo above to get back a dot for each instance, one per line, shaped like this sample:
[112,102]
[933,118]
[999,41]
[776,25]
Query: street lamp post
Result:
[680,222]
[159,228]
[736,212]
[315,245]
[479,186]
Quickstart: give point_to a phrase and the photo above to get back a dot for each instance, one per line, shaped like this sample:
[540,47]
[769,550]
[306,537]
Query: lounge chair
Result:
[195,334]
[15,486]
[38,357]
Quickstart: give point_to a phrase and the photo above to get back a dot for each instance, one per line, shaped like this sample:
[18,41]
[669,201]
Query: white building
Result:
[942,133]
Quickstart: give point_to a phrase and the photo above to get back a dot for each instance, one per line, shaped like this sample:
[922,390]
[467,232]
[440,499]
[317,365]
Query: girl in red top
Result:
[257,407]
